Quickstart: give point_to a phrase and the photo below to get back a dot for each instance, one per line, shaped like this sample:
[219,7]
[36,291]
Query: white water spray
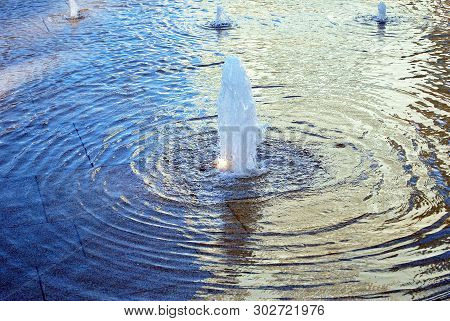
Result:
[239,130]
[221,20]
[381,17]
[74,10]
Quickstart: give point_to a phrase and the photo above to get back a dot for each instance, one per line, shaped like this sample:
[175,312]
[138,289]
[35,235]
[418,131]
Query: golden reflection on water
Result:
[382,91]
[368,105]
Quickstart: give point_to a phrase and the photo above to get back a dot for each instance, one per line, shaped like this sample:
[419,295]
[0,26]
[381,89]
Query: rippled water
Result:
[115,117]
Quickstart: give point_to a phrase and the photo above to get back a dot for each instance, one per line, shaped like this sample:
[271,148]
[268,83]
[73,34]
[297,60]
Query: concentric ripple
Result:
[110,124]
[175,170]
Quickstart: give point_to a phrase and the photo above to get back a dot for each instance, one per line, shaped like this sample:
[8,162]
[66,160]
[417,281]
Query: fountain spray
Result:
[239,130]
[381,17]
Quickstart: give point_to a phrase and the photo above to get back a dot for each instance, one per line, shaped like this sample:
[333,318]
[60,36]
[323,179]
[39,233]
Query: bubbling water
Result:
[239,130]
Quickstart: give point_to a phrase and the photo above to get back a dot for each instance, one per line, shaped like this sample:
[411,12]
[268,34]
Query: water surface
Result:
[113,118]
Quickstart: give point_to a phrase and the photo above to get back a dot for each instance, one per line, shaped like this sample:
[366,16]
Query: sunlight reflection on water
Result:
[355,200]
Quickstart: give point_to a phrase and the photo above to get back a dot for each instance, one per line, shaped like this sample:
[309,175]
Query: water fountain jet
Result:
[239,130]
[222,21]
[381,17]
[74,9]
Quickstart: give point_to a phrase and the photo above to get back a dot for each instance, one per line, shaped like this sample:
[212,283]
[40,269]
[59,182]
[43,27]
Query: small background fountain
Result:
[75,13]
[222,21]
[73,9]
[381,17]
[239,130]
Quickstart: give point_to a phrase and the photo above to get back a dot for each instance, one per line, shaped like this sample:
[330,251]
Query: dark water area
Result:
[108,135]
